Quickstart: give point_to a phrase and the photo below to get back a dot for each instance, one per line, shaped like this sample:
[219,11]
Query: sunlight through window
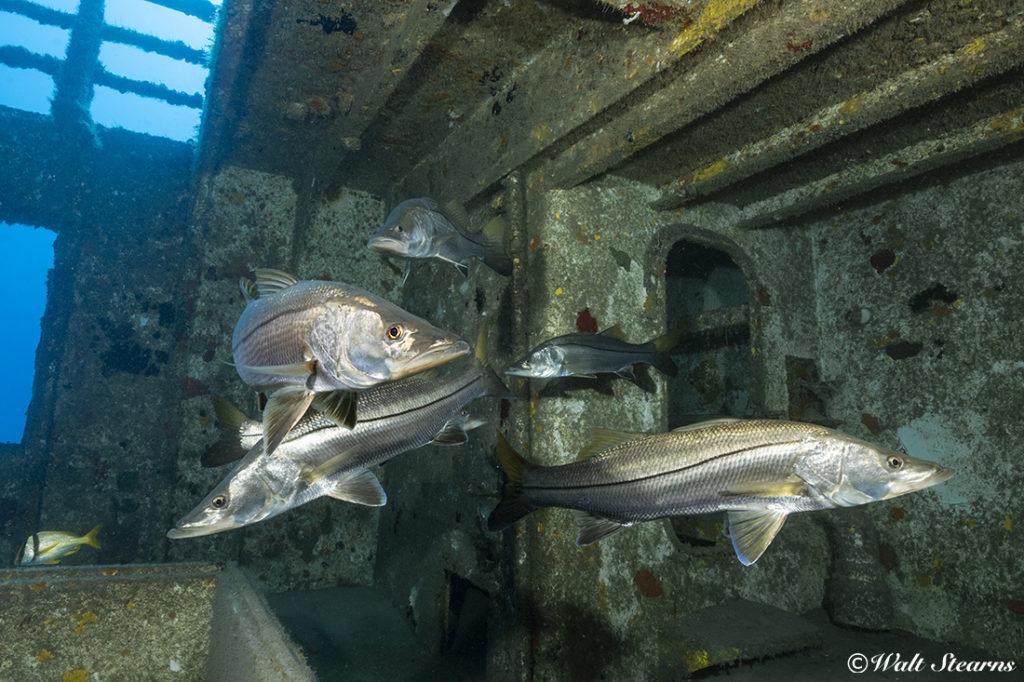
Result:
[140,114]
[25,89]
[154,20]
[133,62]
[35,37]
[25,260]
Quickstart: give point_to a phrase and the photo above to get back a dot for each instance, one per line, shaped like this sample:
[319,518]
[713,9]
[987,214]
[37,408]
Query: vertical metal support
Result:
[74,83]
[510,656]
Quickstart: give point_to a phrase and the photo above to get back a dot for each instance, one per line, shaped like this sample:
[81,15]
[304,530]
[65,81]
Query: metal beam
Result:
[985,136]
[116,34]
[20,58]
[768,47]
[147,89]
[579,75]
[405,34]
[200,9]
[980,58]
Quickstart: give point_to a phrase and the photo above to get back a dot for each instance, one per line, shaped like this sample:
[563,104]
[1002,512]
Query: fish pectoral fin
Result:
[752,530]
[248,289]
[225,450]
[462,268]
[614,332]
[602,439]
[452,433]
[791,487]
[270,281]
[594,528]
[302,369]
[627,372]
[338,406]
[362,488]
[285,407]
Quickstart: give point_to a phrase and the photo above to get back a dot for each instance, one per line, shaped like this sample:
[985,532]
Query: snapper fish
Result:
[758,471]
[421,229]
[305,341]
[318,458]
[51,546]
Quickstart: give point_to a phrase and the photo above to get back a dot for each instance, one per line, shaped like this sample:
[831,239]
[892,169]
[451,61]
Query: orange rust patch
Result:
[648,583]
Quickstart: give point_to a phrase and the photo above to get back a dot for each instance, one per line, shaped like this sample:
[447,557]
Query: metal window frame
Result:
[80,70]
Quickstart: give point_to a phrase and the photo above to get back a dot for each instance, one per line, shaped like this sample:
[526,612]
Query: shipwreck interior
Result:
[826,197]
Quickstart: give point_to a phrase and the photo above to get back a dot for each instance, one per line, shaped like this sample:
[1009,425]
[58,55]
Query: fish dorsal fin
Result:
[752,530]
[361,488]
[602,439]
[594,528]
[270,281]
[248,289]
[614,332]
[706,424]
[338,406]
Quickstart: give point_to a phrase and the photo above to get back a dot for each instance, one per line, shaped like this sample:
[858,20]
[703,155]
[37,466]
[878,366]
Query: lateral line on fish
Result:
[391,415]
[432,402]
[660,474]
[636,348]
[262,323]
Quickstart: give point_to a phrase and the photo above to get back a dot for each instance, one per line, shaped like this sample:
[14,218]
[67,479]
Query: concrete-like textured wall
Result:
[623,591]
[918,300]
[941,564]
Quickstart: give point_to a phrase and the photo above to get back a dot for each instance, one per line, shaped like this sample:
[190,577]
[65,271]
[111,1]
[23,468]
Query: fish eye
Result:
[219,501]
[395,332]
[894,462]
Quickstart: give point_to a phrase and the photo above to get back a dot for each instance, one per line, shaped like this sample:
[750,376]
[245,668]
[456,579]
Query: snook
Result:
[320,458]
[759,471]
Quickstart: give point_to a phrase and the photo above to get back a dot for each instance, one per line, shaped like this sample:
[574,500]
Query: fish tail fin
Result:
[514,505]
[92,537]
[228,415]
[663,346]
[228,447]
[496,388]
[494,238]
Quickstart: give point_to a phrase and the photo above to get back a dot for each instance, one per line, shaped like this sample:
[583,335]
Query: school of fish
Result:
[349,381]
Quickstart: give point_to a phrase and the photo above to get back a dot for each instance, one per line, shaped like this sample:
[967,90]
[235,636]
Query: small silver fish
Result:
[758,470]
[305,340]
[421,228]
[319,458]
[51,546]
[588,355]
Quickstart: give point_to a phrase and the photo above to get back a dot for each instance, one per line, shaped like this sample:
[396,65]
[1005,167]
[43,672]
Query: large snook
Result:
[587,355]
[759,471]
[421,228]
[305,340]
[320,458]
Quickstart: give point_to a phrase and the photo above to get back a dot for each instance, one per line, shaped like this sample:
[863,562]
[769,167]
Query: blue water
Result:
[26,254]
